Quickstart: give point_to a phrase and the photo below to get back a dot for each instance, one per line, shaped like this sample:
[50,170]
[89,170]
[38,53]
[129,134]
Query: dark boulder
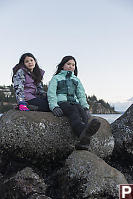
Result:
[122,130]
[87,176]
[35,136]
[24,184]
[102,143]
[46,143]
[122,156]
[40,136]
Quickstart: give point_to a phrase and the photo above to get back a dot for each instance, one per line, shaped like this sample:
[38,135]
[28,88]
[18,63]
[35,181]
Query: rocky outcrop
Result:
[36,136]
[102,143]
[122,156]
[87,176]
[24,184]
[42,146]
[33,135]
[122,130]
[98,108]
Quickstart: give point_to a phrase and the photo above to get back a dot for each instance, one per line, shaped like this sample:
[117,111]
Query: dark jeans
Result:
[41,102]
[76,115]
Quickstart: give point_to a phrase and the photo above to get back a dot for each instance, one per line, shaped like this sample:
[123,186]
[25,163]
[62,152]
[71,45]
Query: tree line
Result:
[8,99]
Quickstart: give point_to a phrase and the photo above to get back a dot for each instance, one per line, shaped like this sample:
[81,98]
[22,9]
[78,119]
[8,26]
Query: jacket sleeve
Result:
[81,95]
[52,97]
[18,83]
[40,89]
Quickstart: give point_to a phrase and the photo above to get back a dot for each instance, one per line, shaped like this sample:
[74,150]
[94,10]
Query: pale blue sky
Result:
[98,33]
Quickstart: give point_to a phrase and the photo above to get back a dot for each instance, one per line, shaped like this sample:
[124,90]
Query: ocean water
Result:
[109,117]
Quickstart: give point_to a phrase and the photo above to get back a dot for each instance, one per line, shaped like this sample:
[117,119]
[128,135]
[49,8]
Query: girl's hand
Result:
[23,106]
[57,111]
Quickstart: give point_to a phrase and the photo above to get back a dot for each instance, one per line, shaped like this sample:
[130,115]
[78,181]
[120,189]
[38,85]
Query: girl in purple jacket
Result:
[27,81]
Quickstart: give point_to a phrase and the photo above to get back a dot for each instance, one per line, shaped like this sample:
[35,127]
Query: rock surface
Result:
[122,130]
[25,184]
[102,143]
[38,156]
[87,176]
[122,156]
[33,135]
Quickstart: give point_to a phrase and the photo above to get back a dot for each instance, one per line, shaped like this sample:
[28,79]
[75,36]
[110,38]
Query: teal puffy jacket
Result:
[65,86]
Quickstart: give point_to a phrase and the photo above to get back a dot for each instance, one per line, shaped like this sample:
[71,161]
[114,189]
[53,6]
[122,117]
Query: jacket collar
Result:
[67,73]
[27,71]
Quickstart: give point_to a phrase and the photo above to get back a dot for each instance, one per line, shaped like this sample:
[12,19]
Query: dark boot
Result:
[89,131]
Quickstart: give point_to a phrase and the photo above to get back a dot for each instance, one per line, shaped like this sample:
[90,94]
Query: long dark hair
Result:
[63,61]
[36,74]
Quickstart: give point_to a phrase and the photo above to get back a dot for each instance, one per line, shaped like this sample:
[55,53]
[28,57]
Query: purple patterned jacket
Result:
[25,88]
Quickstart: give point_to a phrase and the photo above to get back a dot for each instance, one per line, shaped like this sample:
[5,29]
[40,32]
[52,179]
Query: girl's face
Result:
[30,63]
[69,66]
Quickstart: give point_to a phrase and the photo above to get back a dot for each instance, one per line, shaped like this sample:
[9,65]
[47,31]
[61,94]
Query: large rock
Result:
[102,143]
[37,136]
[24,184]
[122,156]
[42,141]
[122,130]
[87,176]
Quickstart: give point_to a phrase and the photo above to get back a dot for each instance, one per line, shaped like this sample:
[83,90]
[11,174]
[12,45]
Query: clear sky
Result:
[98,33]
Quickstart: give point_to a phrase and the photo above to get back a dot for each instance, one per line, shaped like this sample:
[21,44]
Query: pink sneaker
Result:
[23,107]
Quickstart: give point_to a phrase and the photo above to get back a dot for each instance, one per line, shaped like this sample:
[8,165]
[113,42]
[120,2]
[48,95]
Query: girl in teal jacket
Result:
[66,96]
